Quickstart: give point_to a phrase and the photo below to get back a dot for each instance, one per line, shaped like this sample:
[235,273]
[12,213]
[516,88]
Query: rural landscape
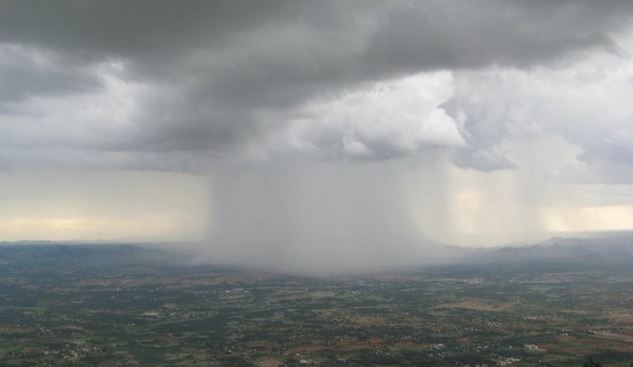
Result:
[132,306]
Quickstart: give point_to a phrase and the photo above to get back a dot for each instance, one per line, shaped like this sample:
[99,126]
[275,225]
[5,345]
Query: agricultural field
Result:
[125,306]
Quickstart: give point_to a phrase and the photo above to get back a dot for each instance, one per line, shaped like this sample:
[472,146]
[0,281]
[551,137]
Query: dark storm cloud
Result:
[27,72]
[98,29]
[220,76]
[466,34]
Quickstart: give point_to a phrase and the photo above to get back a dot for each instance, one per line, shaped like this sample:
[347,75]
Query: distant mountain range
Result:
[556,250]
[616,249]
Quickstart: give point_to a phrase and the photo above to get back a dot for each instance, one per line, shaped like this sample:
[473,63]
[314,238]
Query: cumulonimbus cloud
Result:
[183,83]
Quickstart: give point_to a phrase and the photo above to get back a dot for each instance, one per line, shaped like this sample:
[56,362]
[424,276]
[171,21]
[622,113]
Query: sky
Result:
[330,134]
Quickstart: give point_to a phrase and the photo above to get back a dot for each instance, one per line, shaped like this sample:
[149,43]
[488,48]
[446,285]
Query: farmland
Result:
[86,307]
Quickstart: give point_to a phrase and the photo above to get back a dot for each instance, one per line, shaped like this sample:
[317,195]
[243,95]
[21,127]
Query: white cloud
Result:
[388,119]
[584,102]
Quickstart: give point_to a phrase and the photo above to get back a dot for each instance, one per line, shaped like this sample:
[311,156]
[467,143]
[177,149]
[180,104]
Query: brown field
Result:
[269,362]
[477,305]
[345,344]
[348,344]
[622,318]
[614,336]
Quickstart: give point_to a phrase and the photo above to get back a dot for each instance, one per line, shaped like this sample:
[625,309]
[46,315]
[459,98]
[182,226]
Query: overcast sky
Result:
[324,131]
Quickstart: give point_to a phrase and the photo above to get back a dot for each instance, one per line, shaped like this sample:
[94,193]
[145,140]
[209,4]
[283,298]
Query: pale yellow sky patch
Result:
[103,206]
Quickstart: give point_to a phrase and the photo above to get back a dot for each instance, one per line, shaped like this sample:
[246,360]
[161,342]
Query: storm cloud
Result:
[221,78]
[327,111]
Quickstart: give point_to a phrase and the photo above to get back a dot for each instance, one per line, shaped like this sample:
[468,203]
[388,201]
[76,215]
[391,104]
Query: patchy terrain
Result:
[127,306]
